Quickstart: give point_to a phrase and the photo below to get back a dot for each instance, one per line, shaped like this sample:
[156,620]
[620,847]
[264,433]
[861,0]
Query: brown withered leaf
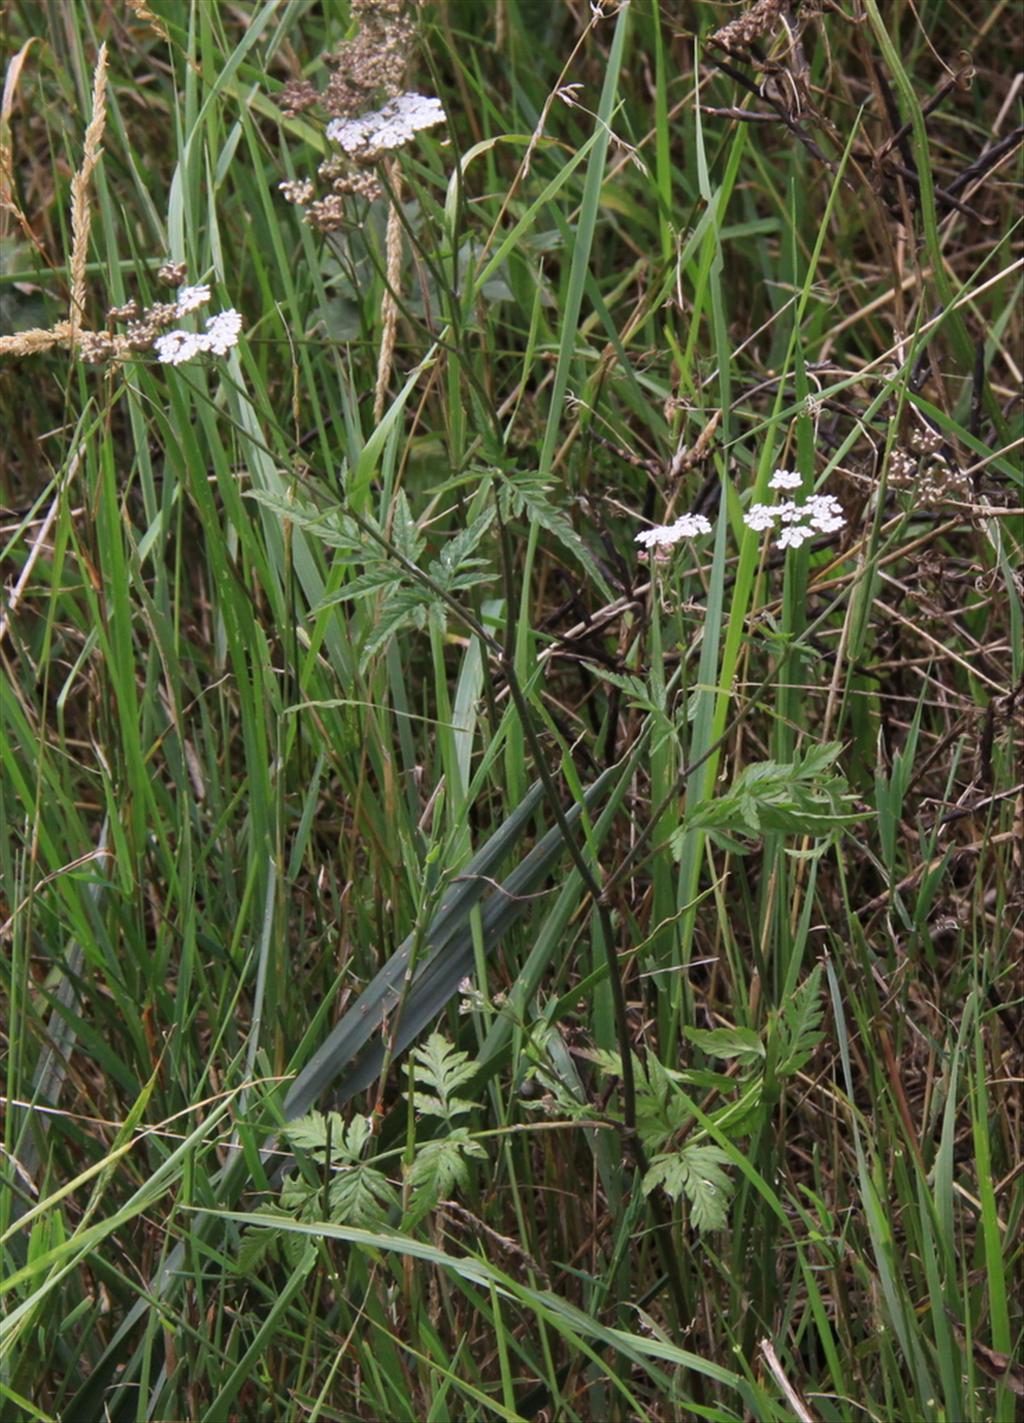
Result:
[998,1367]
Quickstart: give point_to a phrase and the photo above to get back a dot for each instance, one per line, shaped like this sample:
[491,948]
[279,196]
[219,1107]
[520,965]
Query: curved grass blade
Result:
[449,961]
[354,1030]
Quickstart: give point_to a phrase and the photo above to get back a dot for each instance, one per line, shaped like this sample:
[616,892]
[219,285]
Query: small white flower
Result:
[388,127]
[824,504]
[760,517]
[785,479]
[794,536]
[789,511]
[825,513]
[222,332]
[661,535]
[690,525]
[191,297]
[821,513]
[173,347]
[687,526]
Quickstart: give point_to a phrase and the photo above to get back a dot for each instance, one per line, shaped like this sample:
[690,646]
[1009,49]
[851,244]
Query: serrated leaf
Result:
[743,1043]
[297,1250]
[381,575]
[311,1132]
[259,1241]
[439,1069]
[445,1108]
[668,1171]
[441,1064]
[438,1167]
[526,496]
[695,1172]
[405,608]
[661,1109]
[708,1189]
[406,534]
[798,798]
[330,526]
[315,1132]
[360,1195]
[799,1024]
[360,1131]
[607,1061]
[458,548]
[634,687]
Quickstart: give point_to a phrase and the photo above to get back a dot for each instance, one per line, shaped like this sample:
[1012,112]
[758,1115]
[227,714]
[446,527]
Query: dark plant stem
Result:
[663,1219]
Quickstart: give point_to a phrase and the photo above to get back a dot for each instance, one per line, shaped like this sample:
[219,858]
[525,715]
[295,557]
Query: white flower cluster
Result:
[221,333]
[687,526]
[191,297]
[819,514]
[785,479]
[389,127]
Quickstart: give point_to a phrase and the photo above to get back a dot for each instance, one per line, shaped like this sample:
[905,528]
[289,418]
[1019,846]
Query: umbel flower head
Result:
[362,141]
[370,114]
[796,523]
[152,329]
[392,126]
[220,334]
[687,526]
[819,514]
[191,297]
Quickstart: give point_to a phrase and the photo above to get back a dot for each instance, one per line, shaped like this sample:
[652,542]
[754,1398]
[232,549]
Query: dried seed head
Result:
[748,28]
[97,346]
[124,313]
[297,190]
[327,214]
[297,96]
[173,273]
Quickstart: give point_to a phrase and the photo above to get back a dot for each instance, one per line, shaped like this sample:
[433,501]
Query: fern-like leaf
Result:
[696,1173]
[438,1167]
[439,1069]
[802,798]
[360,1195]
[315,1133]
[800,1025]
[661,1109]
[527,495]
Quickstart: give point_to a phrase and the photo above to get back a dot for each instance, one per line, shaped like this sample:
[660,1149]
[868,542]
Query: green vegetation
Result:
[461,962]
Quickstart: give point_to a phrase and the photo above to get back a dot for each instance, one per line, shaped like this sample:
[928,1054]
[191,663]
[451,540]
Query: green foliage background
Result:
[455,967]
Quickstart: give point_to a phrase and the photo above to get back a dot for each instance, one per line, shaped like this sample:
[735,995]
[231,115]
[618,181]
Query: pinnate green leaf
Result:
[743,1043]
[696,1173]
[438,1070]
